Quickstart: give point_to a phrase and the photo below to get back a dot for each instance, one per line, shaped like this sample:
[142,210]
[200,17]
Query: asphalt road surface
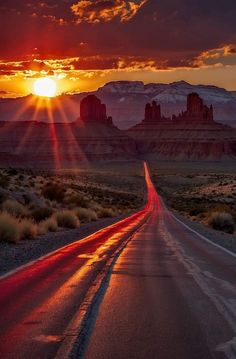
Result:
[170,294]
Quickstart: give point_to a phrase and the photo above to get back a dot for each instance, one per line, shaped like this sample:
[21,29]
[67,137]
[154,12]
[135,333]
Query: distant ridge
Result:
[125,101]
[193,135]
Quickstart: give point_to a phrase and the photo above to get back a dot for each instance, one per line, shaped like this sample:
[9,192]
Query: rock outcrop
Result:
[153,114]
[196,111]
[93,111]
[193,135]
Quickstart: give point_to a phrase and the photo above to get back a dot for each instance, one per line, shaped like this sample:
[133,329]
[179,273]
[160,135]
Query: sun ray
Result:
[30,128]
[75,151]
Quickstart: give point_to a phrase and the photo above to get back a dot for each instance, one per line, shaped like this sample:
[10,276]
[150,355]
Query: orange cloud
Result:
[222,56]
[106,10]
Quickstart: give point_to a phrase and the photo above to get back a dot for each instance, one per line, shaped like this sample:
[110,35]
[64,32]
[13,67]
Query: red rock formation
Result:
[153,113]
[193,135]
[196,111]
[92,110]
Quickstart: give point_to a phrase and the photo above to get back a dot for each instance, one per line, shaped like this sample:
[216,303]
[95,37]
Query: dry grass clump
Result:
[9,228]
[85,214]
[49,225]
[222,221]
[78,200]
[107,212]
[29,229]
[4,181]
[54,192]
[66,219]
[40,214]
[14,208]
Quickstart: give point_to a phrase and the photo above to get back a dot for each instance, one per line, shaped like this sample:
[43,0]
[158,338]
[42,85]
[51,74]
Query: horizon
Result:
[118,81]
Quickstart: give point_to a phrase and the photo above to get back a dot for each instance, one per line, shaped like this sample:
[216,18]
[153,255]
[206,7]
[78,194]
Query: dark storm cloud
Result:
[167,33]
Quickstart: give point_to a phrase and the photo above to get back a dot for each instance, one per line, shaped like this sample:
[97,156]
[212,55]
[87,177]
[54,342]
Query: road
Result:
[38,302]
[168,294]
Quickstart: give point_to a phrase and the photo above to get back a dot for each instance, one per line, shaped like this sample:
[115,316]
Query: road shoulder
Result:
[13,256]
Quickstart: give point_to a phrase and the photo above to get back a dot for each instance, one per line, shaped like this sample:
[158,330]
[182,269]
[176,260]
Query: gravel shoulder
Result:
[225,240]
[15,255]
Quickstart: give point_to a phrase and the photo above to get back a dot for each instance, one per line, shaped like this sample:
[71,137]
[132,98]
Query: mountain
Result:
[125,102]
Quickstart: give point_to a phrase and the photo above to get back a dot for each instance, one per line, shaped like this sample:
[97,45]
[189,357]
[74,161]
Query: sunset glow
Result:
[45,87]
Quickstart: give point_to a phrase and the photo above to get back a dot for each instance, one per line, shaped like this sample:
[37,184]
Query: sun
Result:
[45,87]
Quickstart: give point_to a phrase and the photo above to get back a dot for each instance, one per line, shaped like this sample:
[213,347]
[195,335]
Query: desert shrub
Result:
[12,172]
[220,208]
[9,228]
[40,214]
[107,212]
[85,214]
[66,219]
[54,192]
[14,208]
[28,229]
[3,197]
[78,200]
[21,177]
[196,210]
[222,221]
[49,225]
[4,181]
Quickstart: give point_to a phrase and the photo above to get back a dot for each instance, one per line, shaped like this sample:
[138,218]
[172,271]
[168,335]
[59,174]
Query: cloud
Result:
[7,94]
[222,56]
[106,10]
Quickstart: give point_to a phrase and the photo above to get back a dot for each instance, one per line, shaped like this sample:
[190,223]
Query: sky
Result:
[85,44]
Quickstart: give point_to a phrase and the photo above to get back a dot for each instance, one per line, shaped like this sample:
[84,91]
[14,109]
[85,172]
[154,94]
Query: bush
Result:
[66,219]
[9,228]
[78,200]
[4,181]
[49,225]
[3,197]
[28,229]
[222,221]
[85,214]
[106,212]
[14,208]
[54,192]
[196,210]
[12,172]
[40,214]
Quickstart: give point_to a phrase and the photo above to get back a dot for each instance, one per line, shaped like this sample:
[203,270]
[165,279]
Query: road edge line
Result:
[203,237]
